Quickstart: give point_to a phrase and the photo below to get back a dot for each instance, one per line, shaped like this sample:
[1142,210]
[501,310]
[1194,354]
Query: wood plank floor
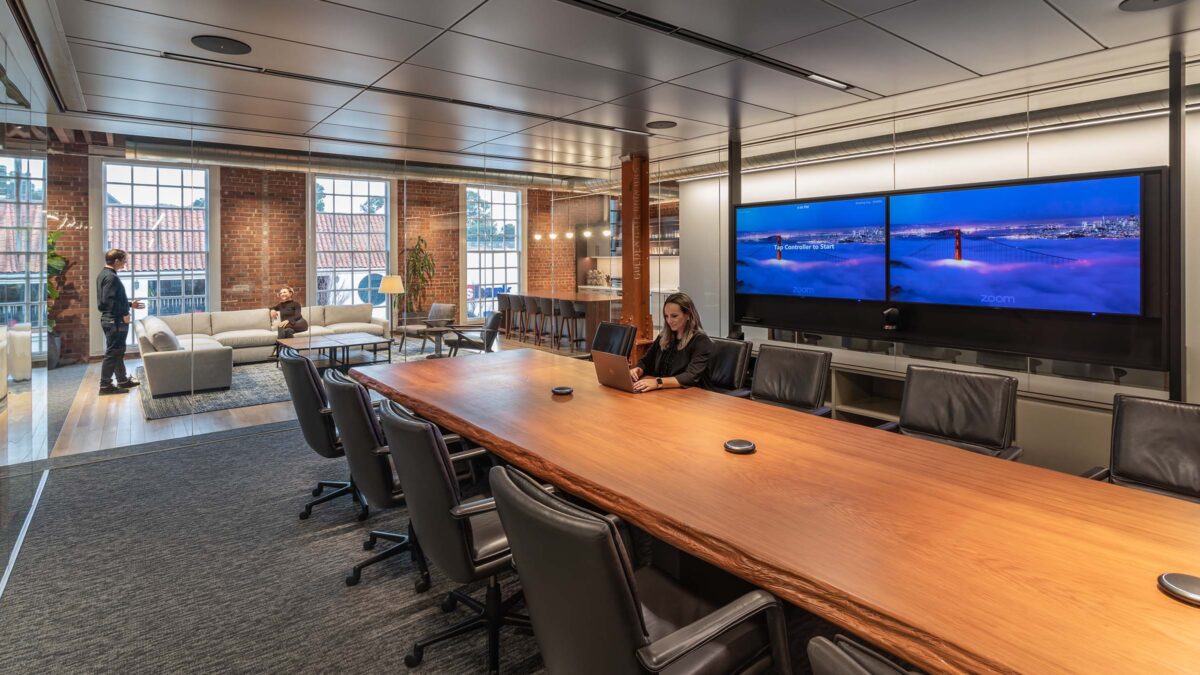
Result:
[23,421]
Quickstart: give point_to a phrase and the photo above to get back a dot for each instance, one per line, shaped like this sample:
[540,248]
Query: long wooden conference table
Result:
[952,560]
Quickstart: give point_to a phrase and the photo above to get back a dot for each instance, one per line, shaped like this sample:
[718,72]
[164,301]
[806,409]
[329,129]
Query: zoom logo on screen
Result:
[993,300]
[803,290]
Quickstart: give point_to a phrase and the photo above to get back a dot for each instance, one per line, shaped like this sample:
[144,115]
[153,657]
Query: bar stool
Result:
[548,310]
[533,315]
[502,308]
[570,315]
[516,315]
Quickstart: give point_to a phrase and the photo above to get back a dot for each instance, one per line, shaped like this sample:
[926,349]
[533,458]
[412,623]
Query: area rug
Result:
[253,384]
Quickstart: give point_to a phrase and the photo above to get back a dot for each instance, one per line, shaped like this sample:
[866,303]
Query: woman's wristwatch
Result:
[659,381]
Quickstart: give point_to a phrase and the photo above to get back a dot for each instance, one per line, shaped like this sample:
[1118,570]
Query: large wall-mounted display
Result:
[1069,267]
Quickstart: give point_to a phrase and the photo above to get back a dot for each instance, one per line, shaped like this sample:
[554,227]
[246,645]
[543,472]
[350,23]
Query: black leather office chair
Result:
[316,423]
[727,366]
[464,540]
[792,378]
[1155,447]
[592,613]
[843,656]
[972,411]
[478,338]
[613,338]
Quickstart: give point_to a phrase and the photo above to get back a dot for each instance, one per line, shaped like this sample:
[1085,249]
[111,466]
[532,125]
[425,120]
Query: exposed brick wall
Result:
[262,236]
[431,210]
[552,263]
[67,200]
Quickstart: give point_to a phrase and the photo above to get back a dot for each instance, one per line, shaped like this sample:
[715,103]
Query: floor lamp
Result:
[392,284]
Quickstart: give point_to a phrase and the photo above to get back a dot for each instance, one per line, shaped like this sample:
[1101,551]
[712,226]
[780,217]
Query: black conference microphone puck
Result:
[739,446]
[561,391]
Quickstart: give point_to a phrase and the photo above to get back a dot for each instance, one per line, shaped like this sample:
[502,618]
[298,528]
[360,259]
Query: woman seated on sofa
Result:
[287,311]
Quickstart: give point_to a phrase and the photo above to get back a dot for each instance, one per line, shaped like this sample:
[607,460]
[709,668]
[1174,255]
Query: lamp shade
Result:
[392,284]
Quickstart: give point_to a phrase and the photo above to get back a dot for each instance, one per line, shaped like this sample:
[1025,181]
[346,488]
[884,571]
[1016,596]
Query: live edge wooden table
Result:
[597,305]
[952,560]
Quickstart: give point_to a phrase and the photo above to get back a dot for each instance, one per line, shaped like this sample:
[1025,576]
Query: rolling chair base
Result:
[340,488]
[490,615]
[403,542]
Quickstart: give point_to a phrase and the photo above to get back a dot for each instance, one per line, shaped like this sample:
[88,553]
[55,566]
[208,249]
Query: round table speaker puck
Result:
[739,446]
[561,391]
[1183,587]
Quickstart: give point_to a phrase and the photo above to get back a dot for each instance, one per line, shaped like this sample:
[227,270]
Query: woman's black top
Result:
[289,310]
[688,365]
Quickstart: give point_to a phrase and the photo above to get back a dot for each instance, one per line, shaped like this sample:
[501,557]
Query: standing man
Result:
[114,308]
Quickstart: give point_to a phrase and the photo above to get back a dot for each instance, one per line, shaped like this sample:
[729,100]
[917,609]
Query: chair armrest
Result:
[740,393]
[1011,453]
[467,454]
[890,426]
[473,508]
[823,411]
[382,323]
[1096,473]
[670,648]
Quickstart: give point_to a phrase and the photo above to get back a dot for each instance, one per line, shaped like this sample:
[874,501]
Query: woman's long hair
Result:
[690,328]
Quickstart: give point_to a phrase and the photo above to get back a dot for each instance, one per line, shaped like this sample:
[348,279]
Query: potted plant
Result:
[419,271]
[56,270]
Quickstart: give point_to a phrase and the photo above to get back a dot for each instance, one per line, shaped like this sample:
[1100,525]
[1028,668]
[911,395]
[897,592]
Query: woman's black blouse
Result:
[688,365]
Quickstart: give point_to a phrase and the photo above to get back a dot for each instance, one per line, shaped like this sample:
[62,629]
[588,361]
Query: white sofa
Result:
[174,347]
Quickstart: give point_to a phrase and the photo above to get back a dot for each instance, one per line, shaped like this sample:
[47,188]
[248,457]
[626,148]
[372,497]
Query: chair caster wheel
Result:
[352,580]
[305,514]
[414,659]
[316,492]
[362,515]
[421,586]
[368,544]
[449,604]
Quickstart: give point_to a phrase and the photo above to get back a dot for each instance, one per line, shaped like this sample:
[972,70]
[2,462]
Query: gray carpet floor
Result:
[190,559]
[62,384]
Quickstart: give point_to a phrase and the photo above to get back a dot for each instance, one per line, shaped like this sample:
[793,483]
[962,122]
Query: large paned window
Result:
[159,215]
[493,247]
[23,245]
[352,241]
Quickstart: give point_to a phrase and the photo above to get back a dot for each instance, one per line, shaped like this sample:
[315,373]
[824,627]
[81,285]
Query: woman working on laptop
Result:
[679,357]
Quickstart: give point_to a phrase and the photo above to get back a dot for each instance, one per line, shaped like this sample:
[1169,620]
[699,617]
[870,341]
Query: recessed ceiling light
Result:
[221,45]
[829,81]
[661,124]
[632,131]
[1143,5]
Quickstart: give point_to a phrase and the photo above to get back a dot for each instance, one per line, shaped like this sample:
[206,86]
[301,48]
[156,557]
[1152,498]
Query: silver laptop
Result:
[613,371]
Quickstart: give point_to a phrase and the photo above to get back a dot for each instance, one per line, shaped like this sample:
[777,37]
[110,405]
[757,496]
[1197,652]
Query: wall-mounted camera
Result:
[891,318]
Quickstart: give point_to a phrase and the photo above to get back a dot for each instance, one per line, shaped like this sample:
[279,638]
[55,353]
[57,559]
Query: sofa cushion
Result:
[245,319]
[160,334]
[253,337]
[314,329]
[199,342]
[355,327]
[315,315]
[196,322]
[145,346]
[347,314]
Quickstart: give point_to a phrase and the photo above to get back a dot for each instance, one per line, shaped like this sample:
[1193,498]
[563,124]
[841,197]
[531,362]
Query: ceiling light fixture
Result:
[827,81]
[661,124]
[607,233]
[537,237]
[587,234]
[570,235]
[1145,5]
[632,131]
[553,236]
[210,62]
[221,45]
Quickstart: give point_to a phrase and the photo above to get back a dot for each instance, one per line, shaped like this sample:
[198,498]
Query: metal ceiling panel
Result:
[442,13]
[862,55]
[672,99]
[636,119]
[340,132]
[624,143]
[866,7]
[535,154]
[124,27]
[565,146]
[752,24]
[305,21]
[186,115]
[1112,27]
[406,125]
[478,90]
[117,63]
[747,81]
[154,92]
[557,28]
[988,37]
[505,63]
[438,111]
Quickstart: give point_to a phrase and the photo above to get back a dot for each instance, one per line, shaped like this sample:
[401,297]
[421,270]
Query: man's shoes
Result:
[128,384]
[108,389]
